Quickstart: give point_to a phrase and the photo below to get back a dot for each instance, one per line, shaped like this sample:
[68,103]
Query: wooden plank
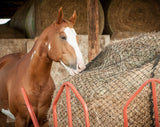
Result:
[93,28]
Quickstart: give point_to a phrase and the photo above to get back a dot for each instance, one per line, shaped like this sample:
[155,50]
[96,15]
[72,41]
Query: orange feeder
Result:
[68,86]
[152,81]
[30,108]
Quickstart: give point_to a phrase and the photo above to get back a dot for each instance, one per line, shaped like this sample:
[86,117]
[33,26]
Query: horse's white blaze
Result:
[8,113]
[72,40]
[33,54]
[49,46]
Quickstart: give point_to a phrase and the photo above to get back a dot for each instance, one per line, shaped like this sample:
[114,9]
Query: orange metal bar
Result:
[135,94]
[155,103]
[69,105]
[69,85]
[30,108]
[82,102]
[55,105]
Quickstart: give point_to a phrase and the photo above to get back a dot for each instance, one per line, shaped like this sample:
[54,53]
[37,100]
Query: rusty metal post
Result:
[93,28]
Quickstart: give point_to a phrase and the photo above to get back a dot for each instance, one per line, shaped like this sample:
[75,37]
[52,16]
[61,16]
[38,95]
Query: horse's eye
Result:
[63,37]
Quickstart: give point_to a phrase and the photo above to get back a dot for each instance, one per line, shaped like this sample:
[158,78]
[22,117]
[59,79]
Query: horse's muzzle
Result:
[79,67]
[74,68]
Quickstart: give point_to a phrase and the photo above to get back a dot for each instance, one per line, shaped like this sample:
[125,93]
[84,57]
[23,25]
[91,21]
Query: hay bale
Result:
[48,13]
[7,32]
[136,50]
[24,19]
[45,12]
[8,46]
[132,16]
[108,82]
[123,35]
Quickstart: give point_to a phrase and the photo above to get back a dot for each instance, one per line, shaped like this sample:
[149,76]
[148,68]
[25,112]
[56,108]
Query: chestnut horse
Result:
[58,42]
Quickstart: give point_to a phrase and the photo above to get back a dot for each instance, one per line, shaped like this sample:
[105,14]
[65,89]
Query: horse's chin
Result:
[73,72]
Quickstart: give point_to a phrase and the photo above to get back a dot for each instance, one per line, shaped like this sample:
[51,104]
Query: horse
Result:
[59,43]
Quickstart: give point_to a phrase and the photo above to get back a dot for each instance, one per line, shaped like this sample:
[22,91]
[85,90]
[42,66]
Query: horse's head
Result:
[62,42]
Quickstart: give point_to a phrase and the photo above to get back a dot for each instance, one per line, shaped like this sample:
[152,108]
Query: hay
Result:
[24,19]
[133,52]
[108,82]
[124,35]
[48,13]
[132,16]
[9,46]
[7,32]
[34,16]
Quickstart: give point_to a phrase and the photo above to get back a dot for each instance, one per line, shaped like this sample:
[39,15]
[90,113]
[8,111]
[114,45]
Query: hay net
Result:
[110,80]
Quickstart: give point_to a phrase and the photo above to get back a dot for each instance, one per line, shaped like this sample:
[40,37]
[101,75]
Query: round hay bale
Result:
[133,16]
[123,35]
[46,12]
[24,19]
[7,32]
[110,80]
[105,5]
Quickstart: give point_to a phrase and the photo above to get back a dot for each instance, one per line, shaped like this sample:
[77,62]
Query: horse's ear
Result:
[73,17]
[60,16]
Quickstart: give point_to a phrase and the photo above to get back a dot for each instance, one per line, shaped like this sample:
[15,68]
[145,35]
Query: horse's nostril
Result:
[81,66]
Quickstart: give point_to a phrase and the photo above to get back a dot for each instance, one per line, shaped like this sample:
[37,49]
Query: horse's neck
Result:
[39,64]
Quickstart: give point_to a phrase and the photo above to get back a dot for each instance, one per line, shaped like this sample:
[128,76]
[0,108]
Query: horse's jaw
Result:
[72,71]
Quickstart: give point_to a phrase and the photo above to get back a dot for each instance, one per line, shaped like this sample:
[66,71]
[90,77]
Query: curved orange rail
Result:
[68,85]
[30,108]
[153,80]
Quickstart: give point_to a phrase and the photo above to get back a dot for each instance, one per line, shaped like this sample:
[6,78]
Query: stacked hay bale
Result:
[34,16]
[24,19]
[125,18]
[48,10]
[9,46]
[110,80]
[9,32]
